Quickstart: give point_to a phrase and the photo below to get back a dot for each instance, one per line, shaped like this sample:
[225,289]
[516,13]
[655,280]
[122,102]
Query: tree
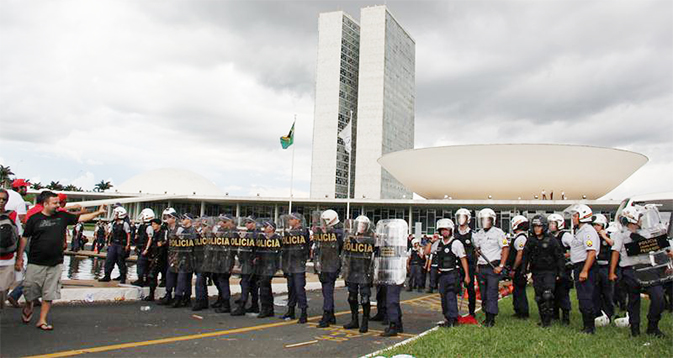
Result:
[71,187]
[5,173]
[37,186]
[102,186]
[55,185]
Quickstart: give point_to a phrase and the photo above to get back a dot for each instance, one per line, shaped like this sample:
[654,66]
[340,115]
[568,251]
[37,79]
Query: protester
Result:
[45,260]
[9,237]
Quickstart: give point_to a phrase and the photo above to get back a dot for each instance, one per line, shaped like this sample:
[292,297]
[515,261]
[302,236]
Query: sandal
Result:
[25,318]
[45,327]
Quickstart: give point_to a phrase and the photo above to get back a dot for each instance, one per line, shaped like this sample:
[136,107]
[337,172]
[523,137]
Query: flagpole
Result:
[292,166]
[348,198]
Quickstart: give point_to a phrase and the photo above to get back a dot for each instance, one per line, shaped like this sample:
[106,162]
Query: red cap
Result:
[17,183]
[62,197]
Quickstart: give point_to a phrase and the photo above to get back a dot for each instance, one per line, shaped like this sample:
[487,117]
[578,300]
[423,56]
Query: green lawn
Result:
[524,338]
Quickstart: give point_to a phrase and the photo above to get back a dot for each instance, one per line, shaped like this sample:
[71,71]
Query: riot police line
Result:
[602,261]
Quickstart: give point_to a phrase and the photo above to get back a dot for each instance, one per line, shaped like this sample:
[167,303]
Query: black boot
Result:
[166,300]
[364,326]
[265,312]
[240,310]
[324,321]
[150,297]
[653,329]
[566,317]
[139,283]
[104,279]
[400,326]
[224,307]
[289,314]
[635,330]
[162,283]
[391,331]
[490,320]
[254,308]
[303,317]
[332,318]
[354,317]
[217,303]
[200,305]
[589,324]
[178,302]
[448,323]
[556,316]
[380,314]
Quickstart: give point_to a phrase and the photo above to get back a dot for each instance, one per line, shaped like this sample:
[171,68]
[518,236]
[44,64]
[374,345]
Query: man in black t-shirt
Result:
[45,258]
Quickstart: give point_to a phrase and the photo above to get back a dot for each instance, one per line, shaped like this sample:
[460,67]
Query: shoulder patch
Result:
[521,244]
[590,243]
[504,241]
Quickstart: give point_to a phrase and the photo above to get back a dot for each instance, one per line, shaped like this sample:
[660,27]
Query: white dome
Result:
[169,181]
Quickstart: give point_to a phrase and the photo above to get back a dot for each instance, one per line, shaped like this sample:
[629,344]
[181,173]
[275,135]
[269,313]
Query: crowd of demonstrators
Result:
[45,232]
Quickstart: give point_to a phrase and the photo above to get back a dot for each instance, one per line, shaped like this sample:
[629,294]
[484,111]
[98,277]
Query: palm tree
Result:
[5,173]
[71,187]
[103,186]
[37,186]
[55,185]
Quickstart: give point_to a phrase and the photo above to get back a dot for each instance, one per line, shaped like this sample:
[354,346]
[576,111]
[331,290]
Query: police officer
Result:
[519,227]
[464,234]
[328,239]
[450,252]
[415,264]
[143,238]
[630,218]
[99,237]
[246,256]
[119,244]
[202,236]
[182,239]
[603,295]
[431,265]
[390,268]
[358,255]
[565,283]
[220,259]
[494,249]
[543,257]
[583,251]
[267,262]
[152,253]
[295,251]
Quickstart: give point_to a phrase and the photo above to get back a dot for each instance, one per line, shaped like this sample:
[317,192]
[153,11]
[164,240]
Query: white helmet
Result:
[416,241]
[362,224]
[170,212]
[518,223]
[330,217]
[445,224]
[631,215]
[583,211]
[622,322]
[600,219]
[463,216]
[486,214]
[612,228]
[558,219]
[119,213]
[146,215]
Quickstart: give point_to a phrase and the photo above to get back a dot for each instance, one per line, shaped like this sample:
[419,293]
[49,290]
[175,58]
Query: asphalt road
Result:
[123,329]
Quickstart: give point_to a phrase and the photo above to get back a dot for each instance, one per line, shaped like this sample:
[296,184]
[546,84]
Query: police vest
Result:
[542,254]
[142,236]
[466,239]
[512,250]
[101,232]
[604,253]
[446,259]
[118,234]
[416,258]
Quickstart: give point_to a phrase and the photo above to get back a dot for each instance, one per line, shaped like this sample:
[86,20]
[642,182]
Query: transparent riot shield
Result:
[327,241]
[268,245]
[649,246]
[390,262]
[296,243]
[358,251]
[181,249]
[218,247]
[245,245]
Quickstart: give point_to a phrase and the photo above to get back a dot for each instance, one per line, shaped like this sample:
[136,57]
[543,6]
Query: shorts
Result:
[42,281]
[6,277]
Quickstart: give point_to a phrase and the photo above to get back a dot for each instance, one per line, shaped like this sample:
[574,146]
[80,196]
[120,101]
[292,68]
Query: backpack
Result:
[9,235]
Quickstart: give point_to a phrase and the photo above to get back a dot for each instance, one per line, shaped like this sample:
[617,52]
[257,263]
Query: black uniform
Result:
[544,258]
[329,243]
[295,251]
[417,263]
[143,260]
[604,292]
[153,266]
[246,254]
[358,254]
[116,253]
[267,253]
[565,282]
[471,256]
[519,281]
[449,280]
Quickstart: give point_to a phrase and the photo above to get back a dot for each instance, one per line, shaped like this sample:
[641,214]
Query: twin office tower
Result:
[365,71]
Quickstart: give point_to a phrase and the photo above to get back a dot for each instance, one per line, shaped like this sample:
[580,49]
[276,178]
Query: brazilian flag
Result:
[287,140]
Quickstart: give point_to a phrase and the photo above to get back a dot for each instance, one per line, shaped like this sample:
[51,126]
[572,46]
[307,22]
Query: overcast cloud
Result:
[98,90]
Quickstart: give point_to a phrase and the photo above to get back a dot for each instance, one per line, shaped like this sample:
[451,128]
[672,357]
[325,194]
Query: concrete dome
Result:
[512,171]
[169,181]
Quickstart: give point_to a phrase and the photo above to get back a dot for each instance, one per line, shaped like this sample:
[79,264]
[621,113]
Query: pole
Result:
[348,197]
[292,166]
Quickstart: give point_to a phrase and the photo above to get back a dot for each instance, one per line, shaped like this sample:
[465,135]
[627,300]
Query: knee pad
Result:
[548,295]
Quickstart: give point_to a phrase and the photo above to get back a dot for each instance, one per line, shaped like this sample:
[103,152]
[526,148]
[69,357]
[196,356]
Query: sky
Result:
[105,90]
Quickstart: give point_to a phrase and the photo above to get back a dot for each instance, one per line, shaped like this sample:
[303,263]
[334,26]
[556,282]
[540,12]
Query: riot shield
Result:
[327,246]
[649,246]
[181,249]
[358,251]
[218,247]
[295,243]
[245,245]
[390,262]
[267,250]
